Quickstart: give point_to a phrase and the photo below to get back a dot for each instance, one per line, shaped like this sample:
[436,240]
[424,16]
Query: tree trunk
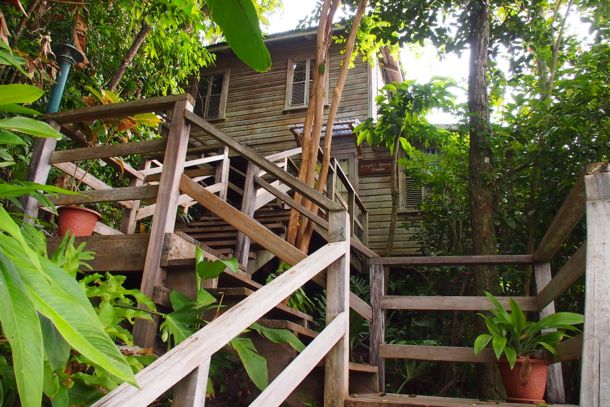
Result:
[395,197]
[133,51]
[481,176]
[334,107]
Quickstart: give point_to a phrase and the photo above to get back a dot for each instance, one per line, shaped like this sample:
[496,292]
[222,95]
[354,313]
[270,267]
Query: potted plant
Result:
[523,343]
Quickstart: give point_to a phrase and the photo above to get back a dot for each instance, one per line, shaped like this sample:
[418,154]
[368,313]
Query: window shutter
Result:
[413,194]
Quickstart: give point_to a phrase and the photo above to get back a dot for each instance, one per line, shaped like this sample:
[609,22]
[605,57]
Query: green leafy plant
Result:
[514,336]
[299,299]
[189,315]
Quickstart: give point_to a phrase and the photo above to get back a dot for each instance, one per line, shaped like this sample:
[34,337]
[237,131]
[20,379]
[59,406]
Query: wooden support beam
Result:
[453,260]
[222,173]
[105,230]
[305,190]
[377,331]
[564,279]
[129,221]
[39,171]
[114,253]
[108,195]
[336,363]
[164,217]
[107,151]
[569,215]
[242,248]
[118,110]
[452,303]
[437,353]
[595,380]
[555,392]
[190,391]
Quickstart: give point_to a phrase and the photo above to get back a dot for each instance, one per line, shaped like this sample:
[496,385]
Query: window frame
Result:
[290,80]
[223,95]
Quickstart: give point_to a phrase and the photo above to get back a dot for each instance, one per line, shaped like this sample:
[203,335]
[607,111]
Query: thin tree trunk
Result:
[481,176]
[127,60]
[395,198]
[332,114]
[315,111]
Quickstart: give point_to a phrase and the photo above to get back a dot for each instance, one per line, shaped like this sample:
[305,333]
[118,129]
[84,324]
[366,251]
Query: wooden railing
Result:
[186,366]
[168,184]
[591,194]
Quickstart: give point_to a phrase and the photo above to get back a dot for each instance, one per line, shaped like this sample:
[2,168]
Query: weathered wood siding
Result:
[256,116]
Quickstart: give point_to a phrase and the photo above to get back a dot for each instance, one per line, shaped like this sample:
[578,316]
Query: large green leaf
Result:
[179,324]
[239,23]
[481,342]
[57,296]
[19,93]
[276,335]
[18,109]
[29,126]
[254,363]
[56,348]
[211,269]
[21,327]
[8,137]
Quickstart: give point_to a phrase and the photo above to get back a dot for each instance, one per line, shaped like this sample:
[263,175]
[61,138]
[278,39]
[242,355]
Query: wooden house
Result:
[265,111]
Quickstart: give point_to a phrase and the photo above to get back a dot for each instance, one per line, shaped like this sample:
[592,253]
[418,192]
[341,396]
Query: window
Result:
[212,95]
[299,81]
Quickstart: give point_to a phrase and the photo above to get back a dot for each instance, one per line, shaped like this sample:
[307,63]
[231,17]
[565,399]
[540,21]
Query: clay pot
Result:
[76,219]
[521,386]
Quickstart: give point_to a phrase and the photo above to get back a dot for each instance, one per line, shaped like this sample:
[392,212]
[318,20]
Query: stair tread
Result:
[396,400]
[244,292]
[362,367]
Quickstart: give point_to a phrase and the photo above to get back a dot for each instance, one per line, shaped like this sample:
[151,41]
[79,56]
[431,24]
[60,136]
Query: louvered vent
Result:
[413,194]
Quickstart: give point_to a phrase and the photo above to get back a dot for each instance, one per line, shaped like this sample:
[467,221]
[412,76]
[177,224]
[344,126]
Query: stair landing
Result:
[403,400]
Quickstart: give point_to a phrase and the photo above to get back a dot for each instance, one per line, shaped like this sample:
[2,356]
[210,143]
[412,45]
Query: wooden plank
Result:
[190,391]
[452,303]
[336,363]
[305,190]
[223,173]
[568,350]
[595,380]
[564,279]
[170,368]
[436,353]
[377,332]
[129,221]
[190,163]
[164,217]
[250,227]
[569,215]
[102,229]
[38,171]
[108,195]
[117,110]
[242,247]
[194,173]
[284,197]
[263,197]
[115,253]
[107,151]
[285,383]
[412,400]
[555,391]
[284,154]
[183,200]
[453,260]
[88,179]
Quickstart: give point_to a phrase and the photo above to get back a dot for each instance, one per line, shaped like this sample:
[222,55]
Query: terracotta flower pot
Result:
[523,384]
[78,220]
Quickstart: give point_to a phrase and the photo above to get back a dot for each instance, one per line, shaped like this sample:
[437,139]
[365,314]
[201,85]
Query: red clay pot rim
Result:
[521,359]
[80,208]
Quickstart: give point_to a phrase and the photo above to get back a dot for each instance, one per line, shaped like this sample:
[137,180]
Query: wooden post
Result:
[128,223]
[164,218]
[331,181]
[242,247]
[595,379]
[351,207]
[336,365]
[222,173]
[555,390]
[365,227]
[190,391]
[377,330]
[39,171]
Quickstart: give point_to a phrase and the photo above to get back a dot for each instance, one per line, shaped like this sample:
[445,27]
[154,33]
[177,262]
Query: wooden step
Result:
[402,400]
[232,295]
